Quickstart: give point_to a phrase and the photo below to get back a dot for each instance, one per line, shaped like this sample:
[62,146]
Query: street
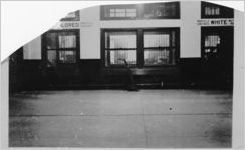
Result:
[121,119]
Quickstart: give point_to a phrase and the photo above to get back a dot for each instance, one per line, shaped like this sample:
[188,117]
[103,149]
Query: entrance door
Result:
[217,54]
[61,55]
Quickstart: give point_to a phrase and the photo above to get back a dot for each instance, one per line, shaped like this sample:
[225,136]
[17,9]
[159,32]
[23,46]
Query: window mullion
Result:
[140,48]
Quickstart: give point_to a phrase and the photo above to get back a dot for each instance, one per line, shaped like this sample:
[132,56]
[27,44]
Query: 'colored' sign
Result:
[72,25]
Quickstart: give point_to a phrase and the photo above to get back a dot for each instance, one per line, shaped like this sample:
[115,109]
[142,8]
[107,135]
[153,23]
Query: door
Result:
[61,55]
[217,54]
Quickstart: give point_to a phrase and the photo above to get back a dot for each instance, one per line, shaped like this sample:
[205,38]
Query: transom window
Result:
[61,47]
[140,47]
[122,13]
[161,10]
[168,10]
[118,12]
[72,16]
[210,10]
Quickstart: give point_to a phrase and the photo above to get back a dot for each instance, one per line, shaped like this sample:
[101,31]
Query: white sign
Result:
[72,25]
[215,22]
[86,24]
[66,25]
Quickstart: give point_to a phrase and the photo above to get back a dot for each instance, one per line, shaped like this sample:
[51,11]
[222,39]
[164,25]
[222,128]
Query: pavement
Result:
[121,119]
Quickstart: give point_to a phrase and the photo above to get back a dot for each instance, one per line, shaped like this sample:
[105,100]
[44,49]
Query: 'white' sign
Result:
[215,22]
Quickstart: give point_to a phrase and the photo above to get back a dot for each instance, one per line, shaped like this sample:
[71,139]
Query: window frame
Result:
[167,30]
[225,12]
[140,46]
[177,16]
[57,49]
[103,31]
[126,6]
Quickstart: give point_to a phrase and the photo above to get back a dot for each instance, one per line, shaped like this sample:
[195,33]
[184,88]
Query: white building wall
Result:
[141,23]
[32,50]
[90,33]
[238,87]
[190,35]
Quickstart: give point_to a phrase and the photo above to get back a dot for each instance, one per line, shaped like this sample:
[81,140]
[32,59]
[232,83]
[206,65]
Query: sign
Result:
[215,22]
[69,25]
[72,25]
[66,25]
[86,24]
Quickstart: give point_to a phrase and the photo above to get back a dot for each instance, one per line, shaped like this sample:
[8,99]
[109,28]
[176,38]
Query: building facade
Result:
[155,45]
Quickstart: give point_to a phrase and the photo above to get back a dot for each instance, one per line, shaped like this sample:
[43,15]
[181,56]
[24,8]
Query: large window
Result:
[61,47]
[159,47]
[140,47]
[210,10]
[120,46]
[170,10]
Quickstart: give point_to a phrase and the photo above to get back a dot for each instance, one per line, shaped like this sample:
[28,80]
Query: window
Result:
[140,47]
[120,46]
[72,16]
[159,47]
[210,10]
[61,47]
[122,13]
[211,45]
[170,10]
[118,12]
[161,10]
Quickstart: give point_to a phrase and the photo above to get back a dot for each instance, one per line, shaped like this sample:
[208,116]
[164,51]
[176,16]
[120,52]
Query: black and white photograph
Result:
[136,75]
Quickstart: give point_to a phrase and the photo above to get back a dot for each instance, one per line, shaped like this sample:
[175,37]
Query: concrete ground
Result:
[117,118]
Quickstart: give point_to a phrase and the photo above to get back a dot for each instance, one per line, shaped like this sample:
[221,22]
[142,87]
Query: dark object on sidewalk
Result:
[130,84]
[49,73]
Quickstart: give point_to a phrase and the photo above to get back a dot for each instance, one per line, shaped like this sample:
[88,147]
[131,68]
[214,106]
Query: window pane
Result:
[117,57]
[67,56]
[67,41]
[51,57]
[130,12]
[158,49]
[120,13]
[212,41]
[118,40]
[156,39]
[51,41]
[212,11]
[112,12]
[163,10]
[157,57]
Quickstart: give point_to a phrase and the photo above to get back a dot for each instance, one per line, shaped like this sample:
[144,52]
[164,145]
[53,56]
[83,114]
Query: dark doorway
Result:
[217,55]
[60,56]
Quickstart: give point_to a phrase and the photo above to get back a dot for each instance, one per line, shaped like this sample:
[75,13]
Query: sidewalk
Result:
[116,118]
